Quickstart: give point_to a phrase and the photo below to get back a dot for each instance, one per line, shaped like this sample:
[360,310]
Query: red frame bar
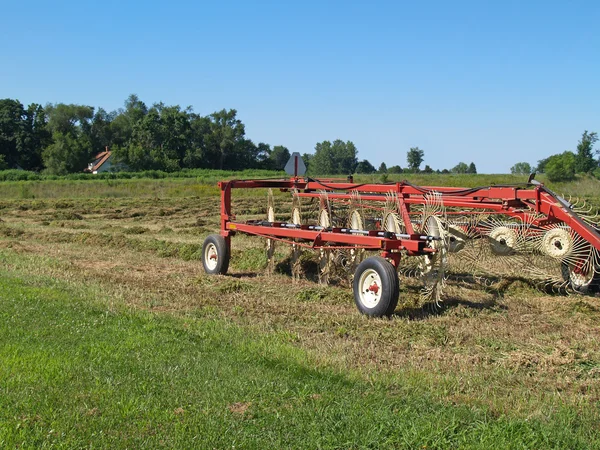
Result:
[511,200]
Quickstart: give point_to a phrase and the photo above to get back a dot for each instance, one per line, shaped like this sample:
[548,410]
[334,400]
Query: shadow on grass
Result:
[432,309]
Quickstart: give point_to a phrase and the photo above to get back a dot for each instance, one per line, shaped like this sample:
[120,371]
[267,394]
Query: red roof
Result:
[99,159]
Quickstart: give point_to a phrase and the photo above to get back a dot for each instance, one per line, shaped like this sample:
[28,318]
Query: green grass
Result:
[204,182]
[76,374]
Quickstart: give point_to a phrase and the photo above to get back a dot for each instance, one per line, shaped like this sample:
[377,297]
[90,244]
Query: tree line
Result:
[564,166]
[63,138]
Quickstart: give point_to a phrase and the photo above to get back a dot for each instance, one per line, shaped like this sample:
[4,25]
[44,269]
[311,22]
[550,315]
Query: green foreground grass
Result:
[77,372]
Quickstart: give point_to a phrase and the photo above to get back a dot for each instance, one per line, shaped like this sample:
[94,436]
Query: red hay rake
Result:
[501,230]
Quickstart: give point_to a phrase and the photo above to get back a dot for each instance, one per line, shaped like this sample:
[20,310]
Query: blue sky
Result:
[490,82]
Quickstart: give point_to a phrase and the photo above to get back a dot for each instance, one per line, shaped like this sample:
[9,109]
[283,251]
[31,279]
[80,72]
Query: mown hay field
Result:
[504,362]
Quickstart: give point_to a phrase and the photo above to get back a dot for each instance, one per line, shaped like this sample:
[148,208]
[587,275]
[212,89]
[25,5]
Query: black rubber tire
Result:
[217,243]
[591,287]
[390,287]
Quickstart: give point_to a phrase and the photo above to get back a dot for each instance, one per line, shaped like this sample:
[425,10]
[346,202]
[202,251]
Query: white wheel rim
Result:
[211,256]
[503,241]
[579,280]
[370,288]
[557,243]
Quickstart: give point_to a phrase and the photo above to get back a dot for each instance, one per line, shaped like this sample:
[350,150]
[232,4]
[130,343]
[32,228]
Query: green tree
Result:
[561,167]
[382,168]
[395,169]
[279,157]
[71,148]
[521,168]
[334,158]
[472,168]
[226,138]
[414,158]
[101,133]
[427,169]
[365,166]
[70,119]
[461,167]
[196,155]
[307,158]
[541,165]
[124,121]
[68,153]
[584,159]
[23,134]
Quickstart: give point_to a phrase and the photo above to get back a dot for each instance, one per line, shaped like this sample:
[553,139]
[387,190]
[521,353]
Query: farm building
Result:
[104,162]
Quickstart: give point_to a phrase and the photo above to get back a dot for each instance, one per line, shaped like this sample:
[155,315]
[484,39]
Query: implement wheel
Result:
[579,281]
[376,287]
[215,255]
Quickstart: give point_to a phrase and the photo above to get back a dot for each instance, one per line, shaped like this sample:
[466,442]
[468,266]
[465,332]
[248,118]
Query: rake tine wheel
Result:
[355,222]
[270,242]
[570,262]
[433,267]
[392,220]
[324,220]
[296,219]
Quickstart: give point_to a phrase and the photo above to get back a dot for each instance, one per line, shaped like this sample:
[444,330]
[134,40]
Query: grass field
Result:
[112,336]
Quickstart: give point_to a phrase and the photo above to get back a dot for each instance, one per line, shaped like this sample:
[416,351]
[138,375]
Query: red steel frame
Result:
[516,201]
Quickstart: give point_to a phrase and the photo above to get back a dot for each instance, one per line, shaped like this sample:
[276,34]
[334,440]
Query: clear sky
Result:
[493,82]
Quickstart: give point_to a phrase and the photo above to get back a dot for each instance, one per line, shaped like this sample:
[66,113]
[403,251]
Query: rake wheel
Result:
[296,249]
[325,260]
[376,287]
[433,266]
[270,242]
[581,280]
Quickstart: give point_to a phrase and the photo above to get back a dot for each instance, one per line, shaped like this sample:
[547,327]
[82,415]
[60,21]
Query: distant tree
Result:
[382,168]
[124,121]
[365,166]
[445,171]
[263,154]
[279,157]
[71,127]
[338,157]
[461,167]
[561,167]
[584,159]
[395,169]
[68,153]
[414,158]
[521,168]
[226,138]
[23,134]
[196,155]
[427,169]
[72,119]
[307,158]
[100,131]
[472,168]
[541,165]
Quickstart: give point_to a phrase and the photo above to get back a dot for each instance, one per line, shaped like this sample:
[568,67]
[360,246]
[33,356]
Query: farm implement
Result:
[490,232]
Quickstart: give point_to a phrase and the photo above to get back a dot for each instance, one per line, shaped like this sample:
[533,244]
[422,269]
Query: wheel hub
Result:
[370,288]
[503,241]
[557,243]
[211,256]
